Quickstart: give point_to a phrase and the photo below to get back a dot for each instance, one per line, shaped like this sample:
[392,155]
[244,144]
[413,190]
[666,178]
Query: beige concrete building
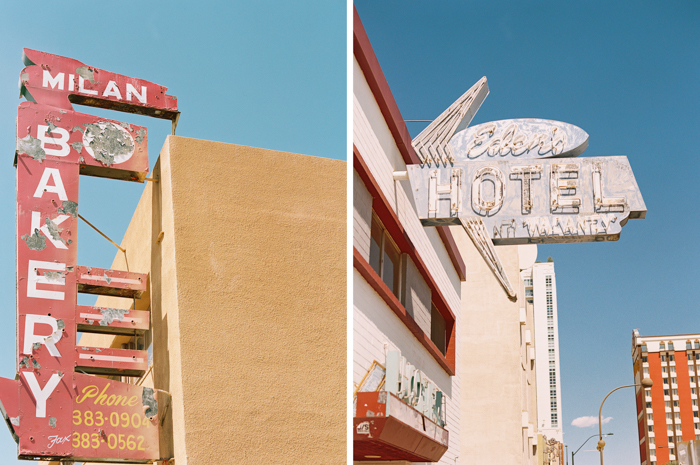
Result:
[499,396]
[245,249]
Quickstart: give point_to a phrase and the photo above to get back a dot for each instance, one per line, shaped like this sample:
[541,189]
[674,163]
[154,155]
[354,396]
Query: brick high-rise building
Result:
[667,413]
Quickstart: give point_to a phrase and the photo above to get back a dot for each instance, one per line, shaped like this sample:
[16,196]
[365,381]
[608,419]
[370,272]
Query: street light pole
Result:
[573,454]
[646,382]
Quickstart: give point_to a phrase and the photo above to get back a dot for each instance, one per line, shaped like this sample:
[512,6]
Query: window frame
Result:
[385,213]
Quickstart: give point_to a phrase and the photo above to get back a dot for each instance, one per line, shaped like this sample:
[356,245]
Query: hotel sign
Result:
[517,182]
[55,408]
[531,201]
[525,138]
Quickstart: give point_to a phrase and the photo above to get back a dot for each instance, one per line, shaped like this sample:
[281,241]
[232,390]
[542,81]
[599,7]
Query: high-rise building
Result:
[667,413]
[541,293]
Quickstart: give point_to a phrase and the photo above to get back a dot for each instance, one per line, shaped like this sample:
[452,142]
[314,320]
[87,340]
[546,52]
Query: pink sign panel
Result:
[57,408]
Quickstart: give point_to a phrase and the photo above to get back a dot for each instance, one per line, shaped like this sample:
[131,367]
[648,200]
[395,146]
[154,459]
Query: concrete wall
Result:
[493,414]
[248,302]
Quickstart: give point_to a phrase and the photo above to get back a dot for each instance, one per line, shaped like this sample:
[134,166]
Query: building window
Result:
[651,428]
[645,359]
[384,256]
[648,404]
[644,348]
[666,392]
[673,380]
[666,381]
[675,403]
[671,358]
[646,371]
[438,329]
[670,346]
[662,346]
[674,392]
[697,344]
[688,346]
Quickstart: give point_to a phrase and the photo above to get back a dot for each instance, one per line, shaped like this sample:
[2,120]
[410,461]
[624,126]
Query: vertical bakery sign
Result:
[56,408]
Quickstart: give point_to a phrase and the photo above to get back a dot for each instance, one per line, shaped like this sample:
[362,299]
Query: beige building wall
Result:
[248,304]
[498,393]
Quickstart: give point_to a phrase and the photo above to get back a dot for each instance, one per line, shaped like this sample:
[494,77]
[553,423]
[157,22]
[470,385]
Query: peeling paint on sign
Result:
[77,146]
[54,230]
[110,314]
[52,422]
[108,143]
[86,73]
[68,207]
[150,402]
[36,241]
[31,147]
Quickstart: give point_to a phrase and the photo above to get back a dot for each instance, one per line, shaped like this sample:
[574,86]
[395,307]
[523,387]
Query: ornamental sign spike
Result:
[56,408]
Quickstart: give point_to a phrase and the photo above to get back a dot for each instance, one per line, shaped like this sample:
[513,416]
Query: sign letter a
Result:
[57,187]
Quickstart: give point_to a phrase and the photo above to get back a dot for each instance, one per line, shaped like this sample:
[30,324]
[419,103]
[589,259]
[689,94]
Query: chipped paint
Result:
[150,402]
[108,279]
[36,345]
[68,207]
[86,73]
[35,364]
[110,314]
[14,421]
[54,276]
[52,422]
[77,128]
[77,146]
[140,134]
[108,143]
[31,147]
[51,126]
[54,230]
[24,363]
[36,241]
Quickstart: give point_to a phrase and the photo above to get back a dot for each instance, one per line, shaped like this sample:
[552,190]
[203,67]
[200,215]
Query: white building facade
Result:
[406,280]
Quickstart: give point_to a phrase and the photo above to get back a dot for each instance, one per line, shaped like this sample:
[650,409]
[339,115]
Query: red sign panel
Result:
[59,81]
[56,409]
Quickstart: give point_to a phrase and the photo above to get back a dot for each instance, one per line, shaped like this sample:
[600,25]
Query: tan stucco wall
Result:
[491,415]
[248,302]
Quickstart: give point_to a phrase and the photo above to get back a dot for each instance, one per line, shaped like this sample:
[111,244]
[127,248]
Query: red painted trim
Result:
[393,303]
[364,53]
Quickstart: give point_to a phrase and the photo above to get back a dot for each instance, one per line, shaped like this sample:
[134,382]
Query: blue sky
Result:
[268,74]
[628,73]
